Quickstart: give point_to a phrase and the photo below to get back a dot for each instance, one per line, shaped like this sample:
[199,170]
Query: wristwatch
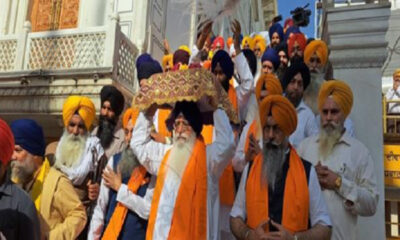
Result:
[338,182]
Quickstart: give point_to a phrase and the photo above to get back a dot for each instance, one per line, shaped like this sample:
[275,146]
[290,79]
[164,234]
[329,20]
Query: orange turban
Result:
[271,83]
[248,40]
[185,48]
[260,41]
[81,105]
[300,39]
[320,48]
[229,42]
[282,111]
[167,60]
[396,73]
[340,92]
[130,114]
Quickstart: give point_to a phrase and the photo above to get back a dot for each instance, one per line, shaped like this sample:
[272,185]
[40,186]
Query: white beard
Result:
[180,154]
[70,150]
[22,172]
[328,138]
[311,93]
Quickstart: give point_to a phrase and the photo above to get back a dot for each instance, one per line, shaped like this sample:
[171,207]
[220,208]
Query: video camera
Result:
[301,16]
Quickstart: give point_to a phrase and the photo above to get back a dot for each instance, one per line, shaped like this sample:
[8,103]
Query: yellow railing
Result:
[388,116]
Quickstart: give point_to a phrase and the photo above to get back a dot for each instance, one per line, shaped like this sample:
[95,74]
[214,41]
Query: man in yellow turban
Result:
[259,45]
[343,164]
[247,43]
[275,200]
[167,62]
[71,153]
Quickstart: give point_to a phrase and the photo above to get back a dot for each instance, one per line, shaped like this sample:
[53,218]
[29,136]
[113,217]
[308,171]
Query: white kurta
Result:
[393,95]
[139,205]
[318,211]
[353,162]
[306,125]
[151,154]
[78,173]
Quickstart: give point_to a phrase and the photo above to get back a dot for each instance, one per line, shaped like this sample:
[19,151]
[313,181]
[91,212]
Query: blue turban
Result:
[147,69]
[224,61]
[145,57]
[29,135]
[292,29]
[276,28]
[271,55]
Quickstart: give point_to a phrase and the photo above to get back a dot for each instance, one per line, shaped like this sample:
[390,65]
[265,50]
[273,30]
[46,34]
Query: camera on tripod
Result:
[301,16]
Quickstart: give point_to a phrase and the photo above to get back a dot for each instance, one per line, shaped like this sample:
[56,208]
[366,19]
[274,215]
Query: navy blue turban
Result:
[145,57]
[224,61]
[292,70]
[271,55]
[147,69]
[190,112]
[276,28]
[29,135]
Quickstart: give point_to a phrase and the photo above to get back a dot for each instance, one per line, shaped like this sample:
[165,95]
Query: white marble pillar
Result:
[92,13]
[358,51]
[22,16]
[4,16]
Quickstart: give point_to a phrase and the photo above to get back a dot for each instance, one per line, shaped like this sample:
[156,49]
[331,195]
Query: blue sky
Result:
[285,6]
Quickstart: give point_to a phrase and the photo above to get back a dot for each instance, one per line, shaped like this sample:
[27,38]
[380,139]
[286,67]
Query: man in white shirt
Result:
[125,192]
[343,164]
[295,80]
[186,196]
[279,196]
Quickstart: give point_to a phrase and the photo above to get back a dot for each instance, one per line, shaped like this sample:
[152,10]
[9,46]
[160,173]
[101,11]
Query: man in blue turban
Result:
[61,212]
[275,35]
[270,61]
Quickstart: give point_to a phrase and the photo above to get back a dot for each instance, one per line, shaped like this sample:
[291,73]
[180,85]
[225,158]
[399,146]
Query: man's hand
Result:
[111,179]
[253,150]
[282,233]
[260,230]
[236,29]
[204,34]
[93,190]
[327,178]
[149,113]
[158,137]
[167,48]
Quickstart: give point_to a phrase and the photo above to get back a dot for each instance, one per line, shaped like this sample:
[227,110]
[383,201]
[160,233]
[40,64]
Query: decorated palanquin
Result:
[197,85]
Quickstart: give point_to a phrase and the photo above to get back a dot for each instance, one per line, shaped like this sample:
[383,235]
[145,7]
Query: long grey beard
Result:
[70,150]
[274,158]
[311,93]
[128,162]
[329,136]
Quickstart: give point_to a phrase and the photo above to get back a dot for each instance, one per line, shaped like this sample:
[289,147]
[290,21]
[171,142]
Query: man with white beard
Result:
[78,116]
[279,196]
[344,165]
[125,196]
[186,196]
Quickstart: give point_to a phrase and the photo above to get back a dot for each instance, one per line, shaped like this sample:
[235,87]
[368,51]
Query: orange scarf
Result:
[189,220]
[117,220]
[163,115]
[295,200]
[207,133]
[227,180]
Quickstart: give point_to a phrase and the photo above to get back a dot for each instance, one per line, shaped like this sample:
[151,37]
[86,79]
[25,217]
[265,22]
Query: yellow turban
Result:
[396,73]
[260,41]
[248,40]
[282,111]
[167,60]
[130,114]
[81,105]
[185,48]
[271,83]
[320,48]
[340,92]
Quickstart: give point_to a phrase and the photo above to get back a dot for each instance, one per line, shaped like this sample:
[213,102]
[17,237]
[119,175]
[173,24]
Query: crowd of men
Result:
[292,168]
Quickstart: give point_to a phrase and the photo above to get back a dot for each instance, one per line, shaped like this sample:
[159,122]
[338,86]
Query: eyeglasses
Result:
[185,124]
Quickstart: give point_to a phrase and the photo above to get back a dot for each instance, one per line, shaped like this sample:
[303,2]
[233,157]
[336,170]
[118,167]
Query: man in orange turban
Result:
[296,44]
[275,200]
[316,57]
[125,195]
[343,164]
[268,84]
